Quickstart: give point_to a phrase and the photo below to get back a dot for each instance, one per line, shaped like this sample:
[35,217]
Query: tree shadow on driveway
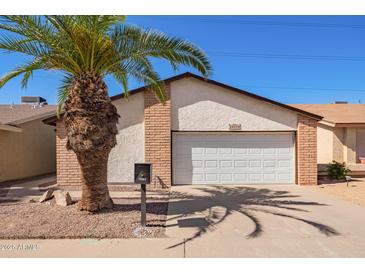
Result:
[219,202]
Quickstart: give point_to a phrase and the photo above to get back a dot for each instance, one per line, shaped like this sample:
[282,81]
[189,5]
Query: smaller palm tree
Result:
[86,49]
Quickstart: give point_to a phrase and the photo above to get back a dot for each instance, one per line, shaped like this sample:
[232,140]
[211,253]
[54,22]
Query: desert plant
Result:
[337,171]
[86,49]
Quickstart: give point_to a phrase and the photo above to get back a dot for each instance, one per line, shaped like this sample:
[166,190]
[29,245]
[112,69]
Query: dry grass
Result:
[354,193]
[34,220]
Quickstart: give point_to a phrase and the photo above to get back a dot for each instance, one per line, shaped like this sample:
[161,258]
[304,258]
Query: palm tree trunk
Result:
[95,193]
[91,126]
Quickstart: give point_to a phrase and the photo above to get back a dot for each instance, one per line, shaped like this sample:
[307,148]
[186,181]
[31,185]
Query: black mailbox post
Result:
[143,176]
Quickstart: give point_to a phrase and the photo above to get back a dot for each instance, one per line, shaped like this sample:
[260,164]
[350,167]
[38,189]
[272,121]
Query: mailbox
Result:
[142,173]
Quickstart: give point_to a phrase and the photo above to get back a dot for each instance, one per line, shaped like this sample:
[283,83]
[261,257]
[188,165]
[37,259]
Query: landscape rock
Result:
[51,201]
[62,198]
[46,196]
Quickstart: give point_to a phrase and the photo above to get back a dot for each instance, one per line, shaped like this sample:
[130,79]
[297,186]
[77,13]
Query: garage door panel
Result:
[227,150]
[226,177]
[240,163]
[194,150]
[211,163]
[254,151]
[255,178]
[232,158]
[240,177]
[197,163]
[269,177]
[224,164]
[212,177]
[284,163]
[284,151]
[269,151]
[199,177]
[269,163]
[239,151]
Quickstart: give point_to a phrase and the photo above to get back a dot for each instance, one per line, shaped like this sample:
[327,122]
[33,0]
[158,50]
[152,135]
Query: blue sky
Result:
[291,59]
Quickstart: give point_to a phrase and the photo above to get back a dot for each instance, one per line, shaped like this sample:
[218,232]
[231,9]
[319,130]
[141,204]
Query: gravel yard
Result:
[354,193]
[44,221]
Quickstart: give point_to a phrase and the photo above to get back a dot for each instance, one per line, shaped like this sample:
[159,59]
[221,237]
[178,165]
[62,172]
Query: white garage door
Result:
[233,158]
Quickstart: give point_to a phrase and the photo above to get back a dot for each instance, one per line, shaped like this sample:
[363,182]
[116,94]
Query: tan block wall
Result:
[158,137]
[68,169]
[306,151]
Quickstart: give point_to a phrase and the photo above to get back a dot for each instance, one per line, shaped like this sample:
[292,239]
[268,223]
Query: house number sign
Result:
[235,127]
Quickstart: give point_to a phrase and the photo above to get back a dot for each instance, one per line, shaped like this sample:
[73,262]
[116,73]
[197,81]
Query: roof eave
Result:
[327,123]
[33,117]
[350,125]
[51,121]
[166,81]
[10,128]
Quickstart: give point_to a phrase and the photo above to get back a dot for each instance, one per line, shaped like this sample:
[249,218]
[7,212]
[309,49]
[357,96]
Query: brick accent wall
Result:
[68,169]
[306,150]
[157,122]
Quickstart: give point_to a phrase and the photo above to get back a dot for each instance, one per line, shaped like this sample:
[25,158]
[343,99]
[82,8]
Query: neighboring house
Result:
[27,145]
[341,134]
[206,133]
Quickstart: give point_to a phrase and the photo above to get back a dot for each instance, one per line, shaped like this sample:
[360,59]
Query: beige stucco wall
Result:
[350,145]
[338,144]
[28,153]
[130,139]
[202,106]
[324,144]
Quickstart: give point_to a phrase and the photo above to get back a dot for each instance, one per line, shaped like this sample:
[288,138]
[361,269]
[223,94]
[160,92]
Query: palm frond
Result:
[130,39]
[122,78]
[152,81]
[101,44]
[27,75]
[62,93]
[26,69]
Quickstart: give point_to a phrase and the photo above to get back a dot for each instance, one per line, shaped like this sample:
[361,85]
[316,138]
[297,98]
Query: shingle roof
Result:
[15,114]
[337,113]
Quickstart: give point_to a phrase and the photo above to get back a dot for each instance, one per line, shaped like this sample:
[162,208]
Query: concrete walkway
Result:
[230,221]
[31,189]
[25,190]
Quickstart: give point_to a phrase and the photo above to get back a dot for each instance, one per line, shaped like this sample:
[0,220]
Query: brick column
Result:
[68,169]
[157,123]
[307,151]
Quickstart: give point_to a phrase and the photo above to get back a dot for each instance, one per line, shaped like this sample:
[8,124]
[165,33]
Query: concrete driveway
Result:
[264,221]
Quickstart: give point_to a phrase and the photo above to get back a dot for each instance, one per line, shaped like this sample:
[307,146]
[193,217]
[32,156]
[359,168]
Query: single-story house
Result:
[27,145]
[205,133]
[340,134]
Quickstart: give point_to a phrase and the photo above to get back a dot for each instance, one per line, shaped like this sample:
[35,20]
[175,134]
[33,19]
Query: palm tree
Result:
[86,49]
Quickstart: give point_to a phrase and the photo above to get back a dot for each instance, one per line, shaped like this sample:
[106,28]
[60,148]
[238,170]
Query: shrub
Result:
[337,171]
